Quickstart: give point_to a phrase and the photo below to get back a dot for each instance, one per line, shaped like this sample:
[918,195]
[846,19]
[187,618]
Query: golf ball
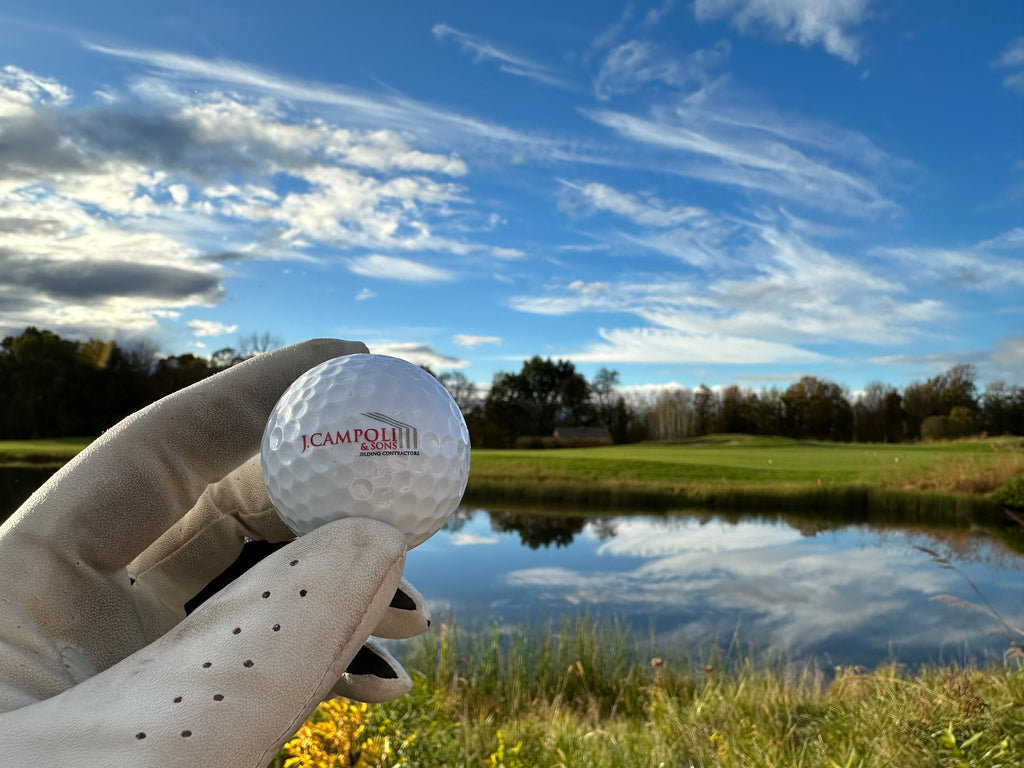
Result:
[366,436]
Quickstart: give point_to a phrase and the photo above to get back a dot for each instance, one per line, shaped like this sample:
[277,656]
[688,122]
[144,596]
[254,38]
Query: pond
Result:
[844,594]
[849,595]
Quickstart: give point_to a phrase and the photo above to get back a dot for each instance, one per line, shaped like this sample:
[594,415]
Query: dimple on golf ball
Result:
[366,436]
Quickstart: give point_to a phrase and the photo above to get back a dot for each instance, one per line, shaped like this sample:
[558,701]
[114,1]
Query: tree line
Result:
[56,387]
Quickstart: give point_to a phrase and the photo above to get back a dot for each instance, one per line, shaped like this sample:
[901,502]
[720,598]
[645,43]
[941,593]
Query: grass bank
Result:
[754,473]
[580,694]
[923,482]
[51,452]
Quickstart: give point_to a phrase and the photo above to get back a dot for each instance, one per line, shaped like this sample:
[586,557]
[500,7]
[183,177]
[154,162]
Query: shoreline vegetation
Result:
[581,693]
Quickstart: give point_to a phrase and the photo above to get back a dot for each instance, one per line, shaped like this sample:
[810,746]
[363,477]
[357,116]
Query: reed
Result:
[580,694]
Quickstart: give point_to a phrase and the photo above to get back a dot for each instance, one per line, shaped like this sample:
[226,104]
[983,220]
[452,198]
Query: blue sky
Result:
[718,191]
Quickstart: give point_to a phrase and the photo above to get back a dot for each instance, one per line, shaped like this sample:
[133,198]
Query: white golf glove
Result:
[99,666]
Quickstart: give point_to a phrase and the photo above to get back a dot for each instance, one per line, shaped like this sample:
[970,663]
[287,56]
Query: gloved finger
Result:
[234,680]
[140,476]
[406,616]
[205,542]
[373,676]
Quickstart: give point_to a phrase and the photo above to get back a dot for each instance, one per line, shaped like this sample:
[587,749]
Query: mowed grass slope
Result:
[720,469]
[717,471]
[52,451]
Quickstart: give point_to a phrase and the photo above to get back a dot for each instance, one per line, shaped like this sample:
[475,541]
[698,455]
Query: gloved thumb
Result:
[231,683]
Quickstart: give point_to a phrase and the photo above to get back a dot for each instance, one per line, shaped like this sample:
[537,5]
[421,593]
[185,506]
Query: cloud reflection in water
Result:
[850,596]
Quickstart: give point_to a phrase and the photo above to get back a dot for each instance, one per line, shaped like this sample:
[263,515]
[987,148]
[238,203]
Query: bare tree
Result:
[462,390]
[256,344]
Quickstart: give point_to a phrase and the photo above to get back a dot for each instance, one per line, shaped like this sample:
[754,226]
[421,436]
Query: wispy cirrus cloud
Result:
[642,208]
[757,152]
[635,63]
[359,107]
[395,268]
[1012,58]
[662,345]
[486,50]
[828,23]
[775,298]
[471,341]
[418,354]
[210,328]
[994,264]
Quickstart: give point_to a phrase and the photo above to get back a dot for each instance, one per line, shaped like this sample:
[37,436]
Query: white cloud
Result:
[365,294]
[1008,356]
[1012,57]
[828,23]
[419,354]
[989,265]
[659,345]
[210,328]
[778,296]
[817,165]
[114,216]
[783,586]
[21,92]
[358,107]
[646,209]
[466,340]
[395,268]
[463,539]
[485,50]
[637,63]
[179,193]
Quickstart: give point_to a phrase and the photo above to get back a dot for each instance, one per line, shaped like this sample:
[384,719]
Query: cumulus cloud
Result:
[828,23]
[21,91]
[117,213]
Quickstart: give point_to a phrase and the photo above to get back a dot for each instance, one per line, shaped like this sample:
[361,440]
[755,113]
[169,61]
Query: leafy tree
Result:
[541,396]
[704,408]
[878,414]
[939,395]
[178,372]
[817,409]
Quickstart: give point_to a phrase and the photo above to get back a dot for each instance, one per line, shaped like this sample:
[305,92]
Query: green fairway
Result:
[48,452]
[718,468]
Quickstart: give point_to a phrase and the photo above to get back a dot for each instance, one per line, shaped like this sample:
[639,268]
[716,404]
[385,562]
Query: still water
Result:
[852,595]
[842,594]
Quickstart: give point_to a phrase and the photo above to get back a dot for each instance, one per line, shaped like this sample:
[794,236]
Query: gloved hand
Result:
[99,667]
